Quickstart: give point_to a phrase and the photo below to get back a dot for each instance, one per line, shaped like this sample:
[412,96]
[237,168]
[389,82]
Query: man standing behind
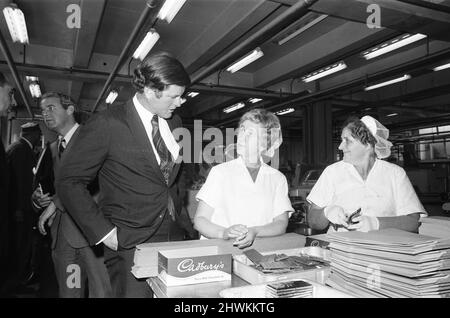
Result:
[132,149]
[6,101]
[21,160]
[72,254]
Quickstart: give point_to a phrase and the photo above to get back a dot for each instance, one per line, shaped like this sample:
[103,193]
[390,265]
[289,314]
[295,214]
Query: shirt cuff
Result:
[106,236]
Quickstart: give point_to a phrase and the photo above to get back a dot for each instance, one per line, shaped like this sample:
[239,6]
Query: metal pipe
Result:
[151,4]
[12,67]
[279,23]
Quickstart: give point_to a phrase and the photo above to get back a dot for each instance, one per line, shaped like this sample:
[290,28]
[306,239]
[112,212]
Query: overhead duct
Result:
[268,31]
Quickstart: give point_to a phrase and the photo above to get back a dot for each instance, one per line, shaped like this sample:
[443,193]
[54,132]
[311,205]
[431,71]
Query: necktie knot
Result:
[61,147]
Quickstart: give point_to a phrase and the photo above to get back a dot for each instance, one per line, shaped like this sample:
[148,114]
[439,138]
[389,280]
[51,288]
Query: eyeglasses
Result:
[48,109]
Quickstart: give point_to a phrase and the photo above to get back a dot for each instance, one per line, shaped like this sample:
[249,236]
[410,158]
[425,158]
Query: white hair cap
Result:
[381,135]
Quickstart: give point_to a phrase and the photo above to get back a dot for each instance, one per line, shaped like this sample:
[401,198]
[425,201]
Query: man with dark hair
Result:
[6,101]
[133,151]
[21,160]
[78,266]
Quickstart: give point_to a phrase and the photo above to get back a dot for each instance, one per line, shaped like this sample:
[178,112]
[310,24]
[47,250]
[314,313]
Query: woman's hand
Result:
[364,223]
[336,215]
[235,231]
[247,240]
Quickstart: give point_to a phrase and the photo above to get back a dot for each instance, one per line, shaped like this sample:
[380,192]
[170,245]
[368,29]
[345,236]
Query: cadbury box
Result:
[193,266]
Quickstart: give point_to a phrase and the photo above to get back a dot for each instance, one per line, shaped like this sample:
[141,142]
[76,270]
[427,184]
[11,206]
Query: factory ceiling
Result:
[296,37]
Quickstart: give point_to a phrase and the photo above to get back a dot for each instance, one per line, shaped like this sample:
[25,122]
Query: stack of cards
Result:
[290,289]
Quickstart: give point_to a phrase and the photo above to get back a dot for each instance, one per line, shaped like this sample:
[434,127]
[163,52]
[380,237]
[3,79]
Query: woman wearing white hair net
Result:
[245,198]
[377,193]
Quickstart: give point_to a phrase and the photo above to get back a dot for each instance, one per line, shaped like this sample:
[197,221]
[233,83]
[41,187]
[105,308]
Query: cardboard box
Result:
[193,266]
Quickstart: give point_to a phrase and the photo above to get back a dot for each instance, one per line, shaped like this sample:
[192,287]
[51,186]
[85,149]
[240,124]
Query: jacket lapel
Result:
[137,129]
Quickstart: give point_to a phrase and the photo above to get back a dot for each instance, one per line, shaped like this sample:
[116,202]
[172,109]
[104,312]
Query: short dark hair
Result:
[359,131]
[158,71]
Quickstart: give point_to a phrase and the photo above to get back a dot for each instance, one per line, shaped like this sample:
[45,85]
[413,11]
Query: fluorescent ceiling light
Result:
[170,9]
[32,78]
[193,94]
[35,90]
[302,29]
[441,67]
[16,23]
[393,81]
[391,115]
[233,107]
[249,58]
[393,44]
[324,71]
[255,100]
[146,45]
[112,97]
[285,111]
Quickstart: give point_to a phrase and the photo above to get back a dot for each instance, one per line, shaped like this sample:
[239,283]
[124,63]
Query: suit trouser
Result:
[119,263]
[78,268]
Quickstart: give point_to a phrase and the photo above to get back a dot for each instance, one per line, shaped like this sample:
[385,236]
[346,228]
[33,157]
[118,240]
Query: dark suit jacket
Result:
[21,160]
[63,223]
[133,193]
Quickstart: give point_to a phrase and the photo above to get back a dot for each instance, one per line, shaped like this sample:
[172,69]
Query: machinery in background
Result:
[299,190]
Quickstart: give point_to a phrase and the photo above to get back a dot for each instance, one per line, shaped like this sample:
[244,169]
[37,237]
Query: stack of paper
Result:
[437,226]
[390,263]
[290,289]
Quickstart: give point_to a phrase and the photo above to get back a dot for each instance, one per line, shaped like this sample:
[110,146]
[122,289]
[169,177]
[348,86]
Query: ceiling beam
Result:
[262,35]
[92,13]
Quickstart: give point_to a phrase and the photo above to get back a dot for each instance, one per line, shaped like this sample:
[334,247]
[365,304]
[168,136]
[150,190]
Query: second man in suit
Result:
[133,151]
[75,261]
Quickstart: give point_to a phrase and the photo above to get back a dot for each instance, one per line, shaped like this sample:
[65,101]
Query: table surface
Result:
[212,290]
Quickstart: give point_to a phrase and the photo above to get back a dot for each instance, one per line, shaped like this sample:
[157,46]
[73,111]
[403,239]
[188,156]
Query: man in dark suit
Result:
[75,261]
[132,149]
[21,160]
[6,102]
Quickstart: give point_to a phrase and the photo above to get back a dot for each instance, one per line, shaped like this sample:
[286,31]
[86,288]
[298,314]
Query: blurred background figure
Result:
[6,102]
[21,161]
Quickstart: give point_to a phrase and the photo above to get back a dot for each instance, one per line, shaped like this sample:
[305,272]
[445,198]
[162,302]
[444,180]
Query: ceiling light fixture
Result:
[255,100]
[35,90]
[170,9]
[146,45]
[392,45]
[32,78]
[392,81]
[392,115]
[16,23]
[336,67]
[247,59]
[441,67]
[193,94]
[302,29]
[112,97]
[285,111]
[233,107]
